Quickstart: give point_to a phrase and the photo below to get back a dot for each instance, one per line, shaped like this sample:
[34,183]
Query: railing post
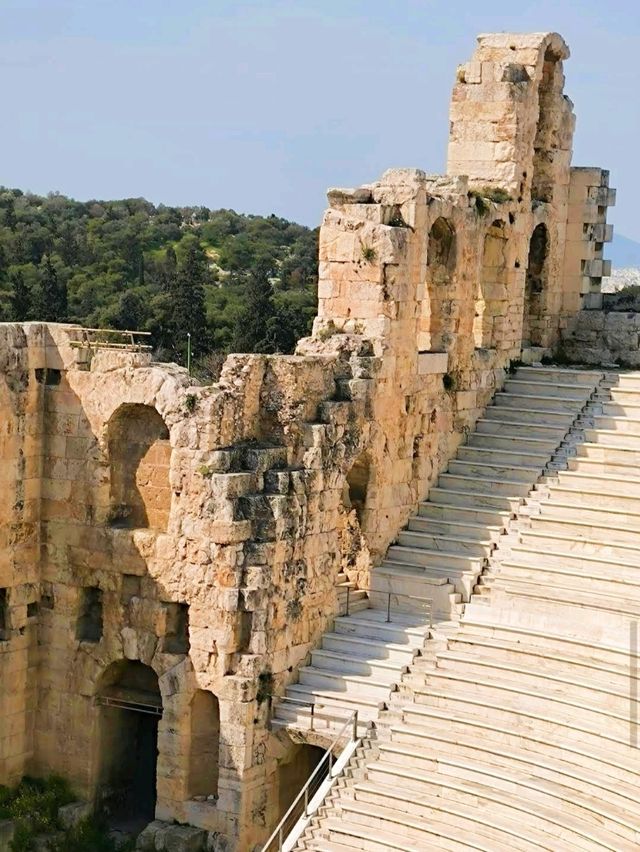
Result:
[355,726]
[330,762]
[348,595]
[313,710]
[388,606]
[280,839]
[306,801]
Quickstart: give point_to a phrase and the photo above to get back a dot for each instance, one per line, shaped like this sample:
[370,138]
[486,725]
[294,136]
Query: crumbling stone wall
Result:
[199,531]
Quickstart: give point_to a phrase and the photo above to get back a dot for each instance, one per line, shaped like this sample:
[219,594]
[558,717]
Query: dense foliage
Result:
[233,282]
[33,806]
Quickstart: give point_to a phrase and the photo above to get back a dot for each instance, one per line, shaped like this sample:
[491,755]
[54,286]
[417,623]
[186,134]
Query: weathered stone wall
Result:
[603,338]
[197,532]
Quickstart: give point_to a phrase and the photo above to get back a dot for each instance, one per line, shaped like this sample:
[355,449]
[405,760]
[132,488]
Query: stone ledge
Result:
[432,362]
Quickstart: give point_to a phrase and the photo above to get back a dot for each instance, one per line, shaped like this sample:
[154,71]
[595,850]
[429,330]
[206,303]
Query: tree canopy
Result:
[231,281]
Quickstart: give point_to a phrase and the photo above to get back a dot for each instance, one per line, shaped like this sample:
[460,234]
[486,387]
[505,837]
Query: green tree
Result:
[20,297]
[53,307]
[189,316]
[256,325]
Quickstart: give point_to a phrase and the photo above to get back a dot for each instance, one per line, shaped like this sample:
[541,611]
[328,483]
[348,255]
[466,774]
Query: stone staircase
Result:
[520,732]
[448,542]
[433,567]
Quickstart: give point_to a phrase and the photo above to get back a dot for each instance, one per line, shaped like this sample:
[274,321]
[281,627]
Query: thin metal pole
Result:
[348,591]
[189,352]
[280,839]
[355,725]
[313,709]
[388,606]
[306,801]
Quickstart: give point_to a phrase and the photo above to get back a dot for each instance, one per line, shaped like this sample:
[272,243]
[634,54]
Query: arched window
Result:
[204,760]
[492,297]
[546,141]
[355,493]
[437,322]
[535,287]
[139,457]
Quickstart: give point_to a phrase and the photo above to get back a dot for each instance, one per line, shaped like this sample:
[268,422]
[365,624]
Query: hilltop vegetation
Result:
[234,282]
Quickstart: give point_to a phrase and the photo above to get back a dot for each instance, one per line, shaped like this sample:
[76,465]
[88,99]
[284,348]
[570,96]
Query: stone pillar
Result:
[587,232]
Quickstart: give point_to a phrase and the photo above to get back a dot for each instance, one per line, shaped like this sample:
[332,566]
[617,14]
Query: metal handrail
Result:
[89,337]
[349,587]
[316,708]
[303,797]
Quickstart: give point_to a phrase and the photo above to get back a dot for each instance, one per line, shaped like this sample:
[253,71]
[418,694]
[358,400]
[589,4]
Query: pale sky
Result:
[260,105]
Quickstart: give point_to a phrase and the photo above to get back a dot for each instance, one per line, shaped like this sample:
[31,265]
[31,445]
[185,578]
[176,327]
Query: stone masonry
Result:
[176,547]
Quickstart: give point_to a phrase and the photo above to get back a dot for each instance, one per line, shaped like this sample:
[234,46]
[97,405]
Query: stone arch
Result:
[437,318]
[130,707]
[492,296]
[204,750]
[546,140]
[139,457]
[535,287]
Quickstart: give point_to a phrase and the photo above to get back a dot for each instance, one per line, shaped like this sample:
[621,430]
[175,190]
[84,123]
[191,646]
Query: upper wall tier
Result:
[511,124]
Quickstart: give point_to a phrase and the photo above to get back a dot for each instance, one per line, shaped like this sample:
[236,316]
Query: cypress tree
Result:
[189,314]
[256,327]
[54,294]
[20,298]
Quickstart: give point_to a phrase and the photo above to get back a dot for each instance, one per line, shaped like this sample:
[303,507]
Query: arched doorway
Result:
[438,320]
[139,457]
[492,297]
[130,708]
[204,758]
[535,287]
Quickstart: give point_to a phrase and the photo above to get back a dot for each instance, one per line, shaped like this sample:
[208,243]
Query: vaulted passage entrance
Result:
[533,327]
[130,709]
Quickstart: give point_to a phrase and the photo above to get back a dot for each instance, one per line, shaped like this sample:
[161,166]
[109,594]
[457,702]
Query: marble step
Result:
[545,390]
[496,486]
[567,405]
[497,424]
[444,511]
[506,469]
[525,457]
[457,529]
[538,417]
[474,500]
[554,375]
[435,541]
[530,446]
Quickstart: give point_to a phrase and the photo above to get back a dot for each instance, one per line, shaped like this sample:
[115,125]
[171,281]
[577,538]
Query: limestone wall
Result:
[603,338]
[182,543]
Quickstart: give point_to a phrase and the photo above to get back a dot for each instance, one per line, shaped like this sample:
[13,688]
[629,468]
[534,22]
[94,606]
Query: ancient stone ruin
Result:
[185,570]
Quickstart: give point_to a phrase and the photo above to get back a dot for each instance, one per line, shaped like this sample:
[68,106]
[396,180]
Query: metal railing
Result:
[111,338]
[426,603]
[317,710]
[323,773]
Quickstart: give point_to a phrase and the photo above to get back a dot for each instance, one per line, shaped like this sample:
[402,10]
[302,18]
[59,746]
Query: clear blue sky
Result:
[260,105]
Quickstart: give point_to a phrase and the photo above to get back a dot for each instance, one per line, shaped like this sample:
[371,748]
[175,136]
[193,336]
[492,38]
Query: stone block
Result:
[146,841]
[70,815]
[432,362]
[180,838]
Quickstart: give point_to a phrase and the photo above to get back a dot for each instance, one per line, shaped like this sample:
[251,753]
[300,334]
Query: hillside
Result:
[236,281]
[623,252]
